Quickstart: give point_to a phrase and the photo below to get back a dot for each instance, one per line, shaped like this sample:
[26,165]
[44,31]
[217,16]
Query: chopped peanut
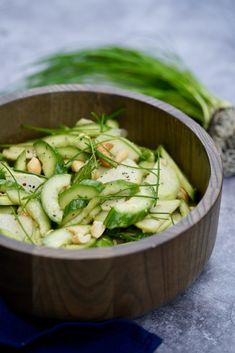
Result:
[104,148]
[182,195]
[79,235]
[81,238]
[34,166]
[97,229]
[95,174]
[123,154]
[76,165]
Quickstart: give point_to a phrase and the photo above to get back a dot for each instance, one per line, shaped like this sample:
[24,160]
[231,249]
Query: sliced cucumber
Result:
[101,216]
[176,216]
[182,178]
[147,154]
[149,225]
[5,201]
[63,236]
[107,205]
[30,182]
[184,208]
[165,224]
[7,210]
[78,215]
[84,121]
[91,130]
[120,144]
[168,182]
[52,162]
[131,211]
[13,152]
[120,187]
[128,171]
[112,124]
[91,215]
[104,241]
[57,238]
[16,228]
[136,208]
[79,141]
[159,217]
[6,185]
[89,244]
[20,163]
[165,207]
[86,189]
[33,208]
[74,205]
[146,167]
[71,152]
[50,196]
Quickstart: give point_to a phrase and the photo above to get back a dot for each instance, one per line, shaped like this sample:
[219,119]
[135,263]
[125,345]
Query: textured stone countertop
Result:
[202,319]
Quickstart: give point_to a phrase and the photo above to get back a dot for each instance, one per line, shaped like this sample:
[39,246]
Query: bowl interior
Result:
[146,124]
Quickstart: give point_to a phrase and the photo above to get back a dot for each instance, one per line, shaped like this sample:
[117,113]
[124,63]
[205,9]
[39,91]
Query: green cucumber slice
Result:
[50,196]
[7,210]
[101,216]
[149,225]
[107,205]
[146,167]
[131,211]
[120,144]
[74,205]
[79,141]
[33,208]
[165,207]
[52,162]
[71,152]
[57,238]
[86,189]
[88,219]
[5,201]
[182,178]
[147,155]
[30,182]
[184,208]
[20,163]
[104,241]
[120,187]
[63,236]
[168,182]
[11,227]
[7,184]
[128,171]
[13,152]
[89,244]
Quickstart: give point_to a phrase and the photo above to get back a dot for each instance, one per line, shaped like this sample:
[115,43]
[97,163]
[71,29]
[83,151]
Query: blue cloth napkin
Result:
[33,335]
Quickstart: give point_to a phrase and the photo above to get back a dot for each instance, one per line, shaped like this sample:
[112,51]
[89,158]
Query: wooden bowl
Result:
[125,280]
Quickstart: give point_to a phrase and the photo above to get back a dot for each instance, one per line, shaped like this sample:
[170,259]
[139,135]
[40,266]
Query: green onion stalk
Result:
[164,77]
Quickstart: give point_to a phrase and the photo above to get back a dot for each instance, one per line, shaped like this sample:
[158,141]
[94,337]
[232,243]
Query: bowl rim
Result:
[212,192]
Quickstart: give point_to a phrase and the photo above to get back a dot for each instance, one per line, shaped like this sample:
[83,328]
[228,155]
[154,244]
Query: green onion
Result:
[164,77]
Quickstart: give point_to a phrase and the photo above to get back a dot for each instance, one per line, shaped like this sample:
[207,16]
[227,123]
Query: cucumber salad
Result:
[89,186]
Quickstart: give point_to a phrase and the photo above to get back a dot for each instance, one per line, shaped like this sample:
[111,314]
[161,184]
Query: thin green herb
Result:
[22,227]
[164,77]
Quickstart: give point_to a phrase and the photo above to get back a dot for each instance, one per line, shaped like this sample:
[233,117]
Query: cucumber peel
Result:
[50,196]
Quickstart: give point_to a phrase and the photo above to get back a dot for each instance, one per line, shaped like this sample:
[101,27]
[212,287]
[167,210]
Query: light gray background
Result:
[203,32]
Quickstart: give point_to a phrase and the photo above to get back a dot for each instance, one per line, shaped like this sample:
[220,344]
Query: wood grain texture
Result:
[126,280]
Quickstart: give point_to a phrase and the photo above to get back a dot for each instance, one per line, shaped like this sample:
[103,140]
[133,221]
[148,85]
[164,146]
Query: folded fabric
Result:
[33,335]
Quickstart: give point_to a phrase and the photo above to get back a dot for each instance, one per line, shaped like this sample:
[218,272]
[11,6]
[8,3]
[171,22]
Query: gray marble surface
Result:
[203,318]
